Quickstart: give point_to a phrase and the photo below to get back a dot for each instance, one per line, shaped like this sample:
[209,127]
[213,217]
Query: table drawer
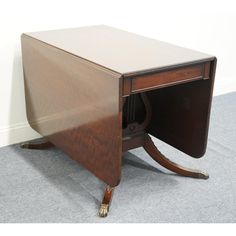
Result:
[167,78]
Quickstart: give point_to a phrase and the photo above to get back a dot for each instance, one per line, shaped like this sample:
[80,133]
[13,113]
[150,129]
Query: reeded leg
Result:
[43,145]
[104,208]
[151,149]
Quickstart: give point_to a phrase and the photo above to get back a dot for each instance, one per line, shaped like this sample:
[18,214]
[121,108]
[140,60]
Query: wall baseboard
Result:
[17,133]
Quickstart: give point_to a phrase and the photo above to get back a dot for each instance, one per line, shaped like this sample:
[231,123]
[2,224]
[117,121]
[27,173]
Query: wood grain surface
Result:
[181,113]
[76,105]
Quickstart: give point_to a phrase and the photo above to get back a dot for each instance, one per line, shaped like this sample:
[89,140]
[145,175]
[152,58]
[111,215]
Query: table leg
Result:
[152,150]
[104,208]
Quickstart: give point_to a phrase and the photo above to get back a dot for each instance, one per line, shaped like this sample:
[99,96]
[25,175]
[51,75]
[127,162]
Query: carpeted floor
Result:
[47,186]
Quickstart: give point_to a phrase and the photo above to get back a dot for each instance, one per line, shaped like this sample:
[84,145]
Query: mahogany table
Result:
[97,92]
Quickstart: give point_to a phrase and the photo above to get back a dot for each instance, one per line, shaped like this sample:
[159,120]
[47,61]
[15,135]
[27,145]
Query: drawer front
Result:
[166,78]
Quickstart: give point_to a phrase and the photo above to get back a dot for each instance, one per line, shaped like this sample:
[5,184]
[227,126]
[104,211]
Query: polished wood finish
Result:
[65,104]
[180,114]
[123,52]
[127,84]
[167,78]
[97,92]
[207,70]
[131,142]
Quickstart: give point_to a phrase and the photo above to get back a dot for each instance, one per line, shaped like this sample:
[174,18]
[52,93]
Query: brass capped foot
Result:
[106,201]
[203,175]
[103,211]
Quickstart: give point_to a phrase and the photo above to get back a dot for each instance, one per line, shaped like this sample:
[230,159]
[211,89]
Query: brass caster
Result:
[104,208]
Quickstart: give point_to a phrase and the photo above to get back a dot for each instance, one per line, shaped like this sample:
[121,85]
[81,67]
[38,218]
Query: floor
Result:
[47,186]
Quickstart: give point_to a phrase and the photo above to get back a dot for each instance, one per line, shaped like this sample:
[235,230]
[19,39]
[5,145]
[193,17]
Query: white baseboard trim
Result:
[17,133]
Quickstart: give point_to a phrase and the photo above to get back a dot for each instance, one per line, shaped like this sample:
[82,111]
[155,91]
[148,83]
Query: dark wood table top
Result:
[119,51]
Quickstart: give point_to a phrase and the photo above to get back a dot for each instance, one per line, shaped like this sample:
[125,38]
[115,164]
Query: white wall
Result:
[208,26]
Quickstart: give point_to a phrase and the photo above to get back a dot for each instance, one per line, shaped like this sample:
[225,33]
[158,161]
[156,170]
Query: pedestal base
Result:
[146,142]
